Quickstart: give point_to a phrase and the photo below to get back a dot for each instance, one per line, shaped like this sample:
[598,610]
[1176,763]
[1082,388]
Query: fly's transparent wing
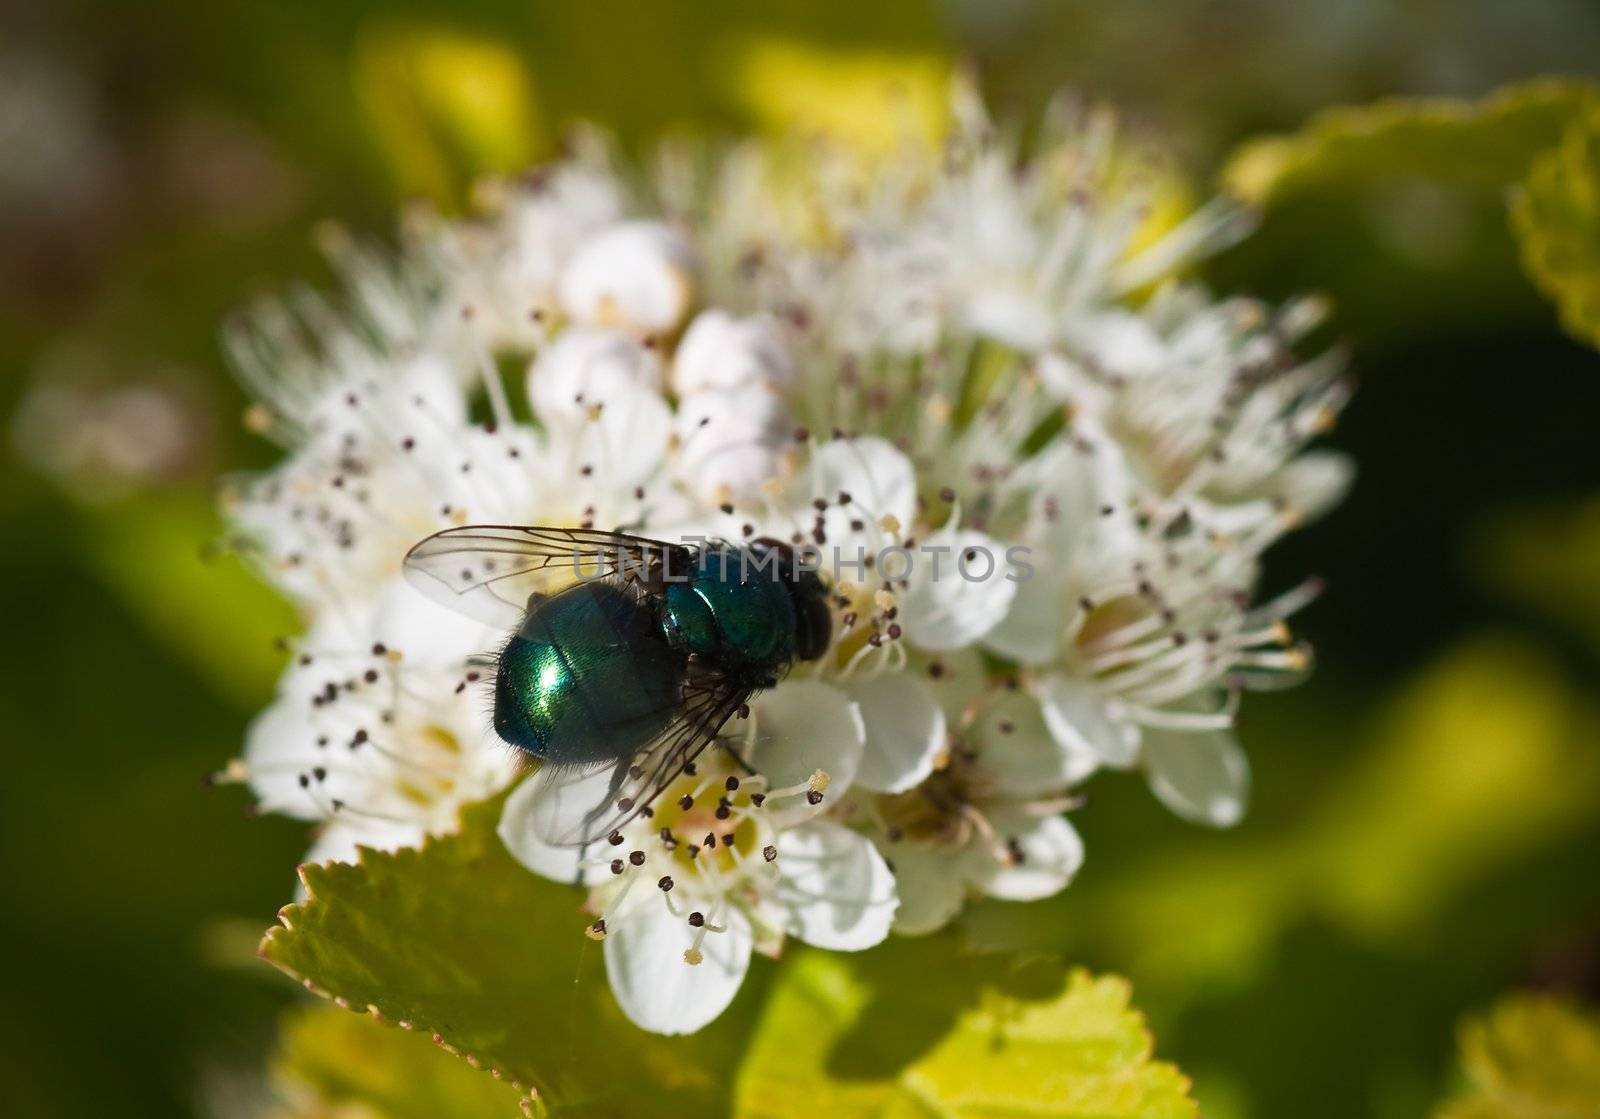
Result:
[488,572]
[575,806]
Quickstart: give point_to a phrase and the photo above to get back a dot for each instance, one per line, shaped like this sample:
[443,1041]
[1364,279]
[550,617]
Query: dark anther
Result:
[688,769]
[636,858]
[686,802]
[665,883]
[769,852]
[625,804]
[731,783]
[813,797]
[370,676]
[379,649]
[615,839]
[616,866]
[697,919]
[726,507]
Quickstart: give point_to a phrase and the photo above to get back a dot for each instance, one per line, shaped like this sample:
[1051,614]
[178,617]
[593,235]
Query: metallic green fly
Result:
[625,656]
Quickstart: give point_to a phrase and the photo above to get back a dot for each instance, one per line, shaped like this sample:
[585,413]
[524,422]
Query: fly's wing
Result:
[579,805]
[488,572]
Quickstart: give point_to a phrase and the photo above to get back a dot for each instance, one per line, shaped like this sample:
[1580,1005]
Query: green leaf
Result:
[1530,1057]
[910,1029]
[1398,210]
[458,940]
[1555,212]
[332,1062]
[1488,142]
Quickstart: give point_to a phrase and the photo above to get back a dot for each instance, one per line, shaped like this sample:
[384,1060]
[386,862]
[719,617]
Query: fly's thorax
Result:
[736,609]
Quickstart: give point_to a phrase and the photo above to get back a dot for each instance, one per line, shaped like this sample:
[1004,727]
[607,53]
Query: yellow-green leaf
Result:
[911,1029]
[331,1062]
[1490,142]
[456,939]
[1556,214]
[1530,1057]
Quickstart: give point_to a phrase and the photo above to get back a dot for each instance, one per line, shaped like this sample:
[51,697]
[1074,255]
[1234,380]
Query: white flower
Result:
[375,731]
[721,352]
[987,820]
[727,862]
[1036,473]
[635,274]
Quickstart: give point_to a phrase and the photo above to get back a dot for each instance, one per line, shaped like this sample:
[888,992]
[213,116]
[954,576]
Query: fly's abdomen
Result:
[587,677]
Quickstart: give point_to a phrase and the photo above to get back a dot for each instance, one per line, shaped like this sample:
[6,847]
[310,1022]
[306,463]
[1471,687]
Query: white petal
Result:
[732,441]
[412,624]
[1010,316]
[1203,777]
[1020,758]
[1120,342]
[598,394]
[930,885]
[1082,723]
[1030,633]
[1315,482]
[1051,854]
[955,597]
[554,805]
[656,987]
[280,746]
[878,477]
[905,729]
[338,841]
[518,831]
[834,889]
[587,367]
[803,726]
[637,274]
[722,352]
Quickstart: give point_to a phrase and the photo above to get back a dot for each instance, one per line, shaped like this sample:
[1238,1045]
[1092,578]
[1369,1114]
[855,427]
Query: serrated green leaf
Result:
[1555,212]
[330,1061]
[911,1029]
[1489,142]
[457,939]
[1530,1057]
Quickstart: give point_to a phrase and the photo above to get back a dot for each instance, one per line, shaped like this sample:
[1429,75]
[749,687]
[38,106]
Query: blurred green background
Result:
[1427,814]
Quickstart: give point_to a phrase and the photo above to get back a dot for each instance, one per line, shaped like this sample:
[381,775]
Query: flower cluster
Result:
[1039,466]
